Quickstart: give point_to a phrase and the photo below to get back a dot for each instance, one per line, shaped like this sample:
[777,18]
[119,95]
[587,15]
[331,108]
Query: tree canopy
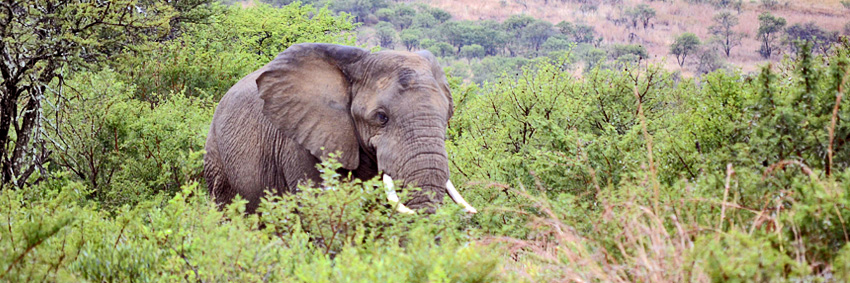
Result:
[768,31]
[723,32]
[685,44]
[42,40]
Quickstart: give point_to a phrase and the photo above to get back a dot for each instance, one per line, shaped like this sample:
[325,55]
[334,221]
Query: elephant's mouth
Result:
[453,193]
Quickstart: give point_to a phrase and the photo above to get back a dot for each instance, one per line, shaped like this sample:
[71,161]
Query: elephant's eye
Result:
[382,118]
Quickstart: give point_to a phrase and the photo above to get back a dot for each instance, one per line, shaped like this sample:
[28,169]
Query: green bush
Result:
[582,146]
[186,238]
[126,150]
[211,57]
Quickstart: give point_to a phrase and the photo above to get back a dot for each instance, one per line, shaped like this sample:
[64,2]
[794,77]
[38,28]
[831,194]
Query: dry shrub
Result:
[645,251]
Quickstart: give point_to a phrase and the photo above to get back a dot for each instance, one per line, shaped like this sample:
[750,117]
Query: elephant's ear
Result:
[306,92]
[440,76]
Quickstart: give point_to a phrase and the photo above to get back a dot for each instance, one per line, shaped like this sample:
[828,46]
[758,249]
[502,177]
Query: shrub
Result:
[575,154]
[490,68]
[123,149]
[620,50]
[211,57]
[185,237]
[708,61]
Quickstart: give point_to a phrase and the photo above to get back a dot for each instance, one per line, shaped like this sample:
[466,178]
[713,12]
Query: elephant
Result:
[381,113]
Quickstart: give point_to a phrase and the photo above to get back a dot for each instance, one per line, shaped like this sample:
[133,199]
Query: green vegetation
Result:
[629,173]
[685,44]
[821,40]
[40,41]
[641,13]
[768,32]
[723,32]
[414,26]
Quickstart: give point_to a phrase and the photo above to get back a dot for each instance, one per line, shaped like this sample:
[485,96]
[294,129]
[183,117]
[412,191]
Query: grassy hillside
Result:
[673,18]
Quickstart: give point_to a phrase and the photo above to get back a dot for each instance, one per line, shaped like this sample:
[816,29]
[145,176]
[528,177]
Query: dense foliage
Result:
[40,41]
[747,173]
[627,173]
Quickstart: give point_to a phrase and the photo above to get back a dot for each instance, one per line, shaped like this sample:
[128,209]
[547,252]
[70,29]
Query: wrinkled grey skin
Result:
[272,128]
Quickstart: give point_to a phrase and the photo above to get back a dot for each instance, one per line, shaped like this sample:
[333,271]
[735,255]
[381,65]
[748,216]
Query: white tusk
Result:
[393,197]
[458,198]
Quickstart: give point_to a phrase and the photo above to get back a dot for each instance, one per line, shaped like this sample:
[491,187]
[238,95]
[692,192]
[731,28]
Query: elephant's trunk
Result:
[428,170]
[427,167]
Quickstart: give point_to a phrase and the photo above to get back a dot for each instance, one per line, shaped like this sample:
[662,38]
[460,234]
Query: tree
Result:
[590,55]
[403,16]
[579,33]
[641,13]
[728,4]
[769,27]
[441,49]
[453,32]
[645,14]
[584,34]
[495,37]
[472,51]
[620,50]
[459,34]
[565,28]
[360,9]
[441,15]
[820,39]
[536,33]
[385,33]
[724,22]
[410,38]
[424,20]
[514,26]
[685,44]
[769,4]
[556,43]
[40,40]
[385,14]
[426,43]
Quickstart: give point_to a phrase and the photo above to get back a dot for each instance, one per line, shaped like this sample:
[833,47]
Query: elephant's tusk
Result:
[458,198]
[393,197]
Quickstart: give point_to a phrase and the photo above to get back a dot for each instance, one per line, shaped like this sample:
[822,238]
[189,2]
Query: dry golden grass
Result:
[672,19]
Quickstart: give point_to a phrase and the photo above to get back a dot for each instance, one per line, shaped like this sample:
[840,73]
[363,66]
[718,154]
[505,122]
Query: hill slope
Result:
[672,19]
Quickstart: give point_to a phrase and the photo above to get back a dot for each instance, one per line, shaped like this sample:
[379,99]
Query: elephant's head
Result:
[386,110]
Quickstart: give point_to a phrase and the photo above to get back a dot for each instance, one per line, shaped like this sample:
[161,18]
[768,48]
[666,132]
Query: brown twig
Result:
[783,163]
[834,121]
[648,139]
[843,228]
[729,173]
[27,251]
